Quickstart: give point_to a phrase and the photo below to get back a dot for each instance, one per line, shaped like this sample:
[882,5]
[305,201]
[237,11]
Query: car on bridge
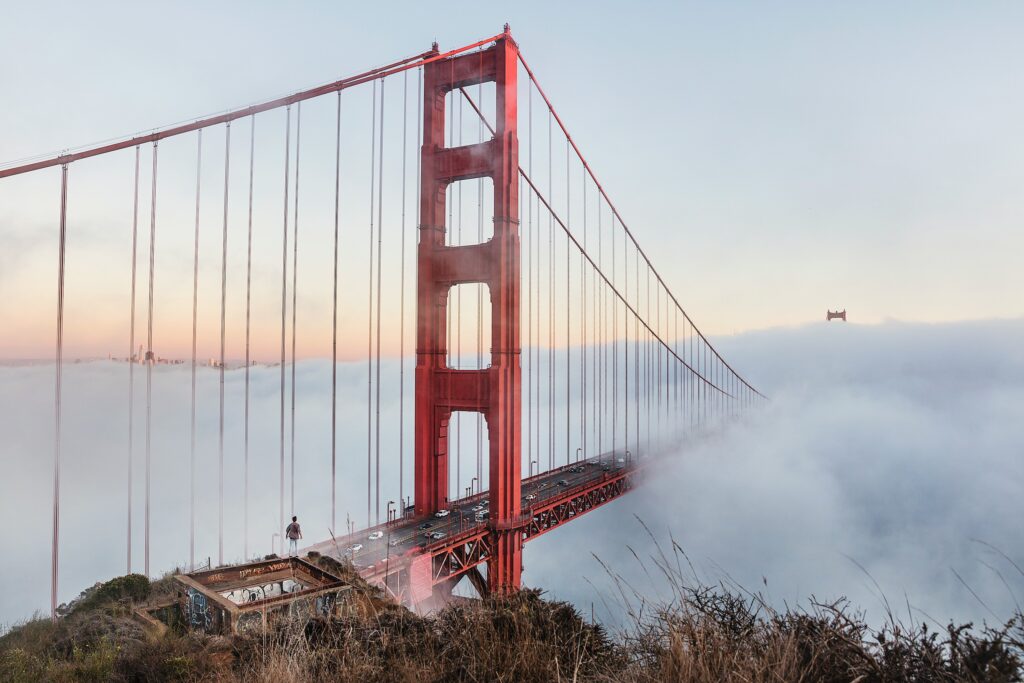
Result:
[442,513]
[376,535]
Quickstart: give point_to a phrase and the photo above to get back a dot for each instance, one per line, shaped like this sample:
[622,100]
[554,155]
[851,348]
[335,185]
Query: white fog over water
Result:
[897,447]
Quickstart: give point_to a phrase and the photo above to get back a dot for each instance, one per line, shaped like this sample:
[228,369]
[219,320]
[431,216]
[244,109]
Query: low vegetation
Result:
[700,634]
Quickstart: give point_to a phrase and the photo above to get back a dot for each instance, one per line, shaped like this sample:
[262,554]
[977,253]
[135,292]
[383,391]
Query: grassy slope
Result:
[703,634]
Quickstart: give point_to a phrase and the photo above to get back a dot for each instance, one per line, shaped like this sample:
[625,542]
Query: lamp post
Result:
[473,481]
[387,553]
[532,463]
[629,457]
[578,451]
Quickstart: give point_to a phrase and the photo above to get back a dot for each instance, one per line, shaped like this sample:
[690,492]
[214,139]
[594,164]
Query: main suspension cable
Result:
[553,218]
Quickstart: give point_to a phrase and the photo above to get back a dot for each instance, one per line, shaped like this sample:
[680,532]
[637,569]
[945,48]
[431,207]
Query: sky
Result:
[776,160]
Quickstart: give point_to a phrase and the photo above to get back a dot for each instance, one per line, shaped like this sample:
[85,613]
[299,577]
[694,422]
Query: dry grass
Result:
[699,634]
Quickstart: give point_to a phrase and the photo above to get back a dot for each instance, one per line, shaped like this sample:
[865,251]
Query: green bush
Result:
[130,588]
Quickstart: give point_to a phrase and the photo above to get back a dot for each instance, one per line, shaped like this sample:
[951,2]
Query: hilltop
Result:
[703,634]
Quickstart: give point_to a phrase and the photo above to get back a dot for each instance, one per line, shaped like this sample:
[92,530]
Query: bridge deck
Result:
[549,499]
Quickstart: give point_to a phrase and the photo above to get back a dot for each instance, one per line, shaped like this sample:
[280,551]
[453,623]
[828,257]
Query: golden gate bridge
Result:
[612,372]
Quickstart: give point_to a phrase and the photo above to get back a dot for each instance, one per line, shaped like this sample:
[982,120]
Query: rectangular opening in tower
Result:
[469,327]
[463,124]
[470,212]
[468,445]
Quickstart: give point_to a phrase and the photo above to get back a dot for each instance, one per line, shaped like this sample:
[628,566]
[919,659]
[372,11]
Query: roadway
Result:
[407,535]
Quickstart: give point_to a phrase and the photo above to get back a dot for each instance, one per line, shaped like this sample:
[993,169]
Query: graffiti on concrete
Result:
[325,604]
[197,610]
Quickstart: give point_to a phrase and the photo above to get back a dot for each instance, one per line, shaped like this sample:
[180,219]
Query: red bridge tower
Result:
[492,391]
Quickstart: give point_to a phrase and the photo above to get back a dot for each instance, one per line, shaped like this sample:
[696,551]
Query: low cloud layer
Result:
[888,454]
[891,447]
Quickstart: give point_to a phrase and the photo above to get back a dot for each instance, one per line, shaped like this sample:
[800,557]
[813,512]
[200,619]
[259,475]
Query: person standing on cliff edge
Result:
[294,533]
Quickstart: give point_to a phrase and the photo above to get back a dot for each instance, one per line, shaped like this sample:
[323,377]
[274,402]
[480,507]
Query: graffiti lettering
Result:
[197,610]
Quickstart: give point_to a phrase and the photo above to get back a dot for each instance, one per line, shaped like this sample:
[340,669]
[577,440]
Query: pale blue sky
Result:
[775,158]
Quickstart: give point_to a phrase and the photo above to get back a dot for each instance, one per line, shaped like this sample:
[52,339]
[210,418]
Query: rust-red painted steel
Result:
[494,391]
[380,72]
[615,211]
[535,522]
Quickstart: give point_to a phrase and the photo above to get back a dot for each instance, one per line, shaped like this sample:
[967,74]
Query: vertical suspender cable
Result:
[223,328]
[675,373]
[538,380]
[57,396]
[284,312]
[248,360]
[450,241]
[568,305]
[636,353]
[595,356]
[551,309]
[458,331]
[334,320]
[648,365]
[401,305]
[150,358]
[131,359]
[369,323]
[583,328]
[195,323]
[380,235]
[600,320]
[295,290]
[479,287]
[419,142]
[529,290]
[626,344]
[615,342]
[656,362]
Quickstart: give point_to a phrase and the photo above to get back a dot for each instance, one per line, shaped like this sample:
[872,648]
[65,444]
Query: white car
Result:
[531,496]
[477,508]
[376,535]
[442,513]
[355,548]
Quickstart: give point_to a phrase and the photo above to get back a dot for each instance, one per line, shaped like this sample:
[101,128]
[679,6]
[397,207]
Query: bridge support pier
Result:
[493,391]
